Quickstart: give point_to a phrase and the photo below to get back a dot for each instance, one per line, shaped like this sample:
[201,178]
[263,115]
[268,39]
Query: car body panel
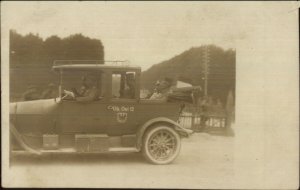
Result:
[68,118]
[114,119]
[36,116]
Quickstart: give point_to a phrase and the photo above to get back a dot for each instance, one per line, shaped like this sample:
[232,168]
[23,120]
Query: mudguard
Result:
[176,126]
[20,140]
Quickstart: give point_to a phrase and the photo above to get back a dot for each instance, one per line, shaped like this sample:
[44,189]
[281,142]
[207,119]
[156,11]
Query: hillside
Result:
[189,67]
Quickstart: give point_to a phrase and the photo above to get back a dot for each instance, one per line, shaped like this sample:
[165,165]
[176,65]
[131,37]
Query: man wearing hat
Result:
[89,90]
[83,88]
[162,89]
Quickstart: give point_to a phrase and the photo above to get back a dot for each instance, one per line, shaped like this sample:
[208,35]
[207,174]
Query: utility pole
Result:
[206,60]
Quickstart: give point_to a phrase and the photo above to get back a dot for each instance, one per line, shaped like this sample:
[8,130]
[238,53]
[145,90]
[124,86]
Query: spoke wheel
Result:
[161,145]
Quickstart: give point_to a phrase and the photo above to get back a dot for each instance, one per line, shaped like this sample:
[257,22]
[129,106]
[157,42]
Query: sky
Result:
[144,33]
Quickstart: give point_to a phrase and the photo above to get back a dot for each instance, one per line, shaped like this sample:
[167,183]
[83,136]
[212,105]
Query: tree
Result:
[53,47]
[79,47]
[31,57]
[25,49]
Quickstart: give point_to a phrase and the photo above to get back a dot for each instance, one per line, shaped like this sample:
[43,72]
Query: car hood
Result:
[45,106]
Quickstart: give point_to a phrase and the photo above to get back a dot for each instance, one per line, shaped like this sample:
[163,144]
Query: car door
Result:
[89,116]
[121,117]
[121,111]
[78,117]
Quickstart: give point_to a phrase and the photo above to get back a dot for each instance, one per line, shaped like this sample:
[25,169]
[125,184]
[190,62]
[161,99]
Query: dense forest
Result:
[189,67]
[31,57]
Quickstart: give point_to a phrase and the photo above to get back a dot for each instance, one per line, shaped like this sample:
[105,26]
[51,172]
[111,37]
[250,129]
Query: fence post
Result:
[193,119]
[228,112]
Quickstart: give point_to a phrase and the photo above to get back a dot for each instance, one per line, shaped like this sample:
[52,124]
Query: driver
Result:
[89,91]
[83,87]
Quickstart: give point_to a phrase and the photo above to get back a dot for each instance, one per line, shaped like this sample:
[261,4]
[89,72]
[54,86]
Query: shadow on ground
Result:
[82,159]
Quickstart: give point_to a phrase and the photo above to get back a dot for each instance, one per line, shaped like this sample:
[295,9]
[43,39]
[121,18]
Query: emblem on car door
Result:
[121,117]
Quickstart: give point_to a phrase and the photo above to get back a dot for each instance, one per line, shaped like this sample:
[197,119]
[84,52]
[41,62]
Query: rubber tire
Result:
[146,138]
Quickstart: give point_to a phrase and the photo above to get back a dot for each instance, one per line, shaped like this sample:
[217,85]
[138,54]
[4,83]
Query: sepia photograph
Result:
[188,95]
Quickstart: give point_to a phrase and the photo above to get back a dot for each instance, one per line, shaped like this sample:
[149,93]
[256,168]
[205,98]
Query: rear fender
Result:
[161,120]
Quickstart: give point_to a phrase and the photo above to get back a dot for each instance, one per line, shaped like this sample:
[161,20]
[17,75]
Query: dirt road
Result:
[205,161]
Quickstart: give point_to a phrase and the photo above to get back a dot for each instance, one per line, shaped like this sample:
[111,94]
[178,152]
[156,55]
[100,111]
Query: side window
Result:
[83,85]
[116,85]
[123,85]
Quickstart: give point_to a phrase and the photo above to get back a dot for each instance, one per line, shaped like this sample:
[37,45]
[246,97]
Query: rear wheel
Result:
[161,145]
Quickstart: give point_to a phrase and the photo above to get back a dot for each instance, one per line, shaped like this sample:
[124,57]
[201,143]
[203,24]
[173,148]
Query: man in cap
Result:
[89,90]
[162,89]
[83,88]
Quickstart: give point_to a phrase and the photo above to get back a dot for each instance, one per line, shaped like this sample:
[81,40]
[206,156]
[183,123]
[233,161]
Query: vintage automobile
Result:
[110,123]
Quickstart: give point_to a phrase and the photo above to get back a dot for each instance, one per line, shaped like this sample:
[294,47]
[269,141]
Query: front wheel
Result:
[161,145]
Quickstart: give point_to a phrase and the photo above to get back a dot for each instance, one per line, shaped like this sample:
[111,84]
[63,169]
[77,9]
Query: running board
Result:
[73,150]
[123,149]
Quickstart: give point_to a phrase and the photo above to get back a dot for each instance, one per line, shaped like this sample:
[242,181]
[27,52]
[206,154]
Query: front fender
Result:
[182,131]
[20,140]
